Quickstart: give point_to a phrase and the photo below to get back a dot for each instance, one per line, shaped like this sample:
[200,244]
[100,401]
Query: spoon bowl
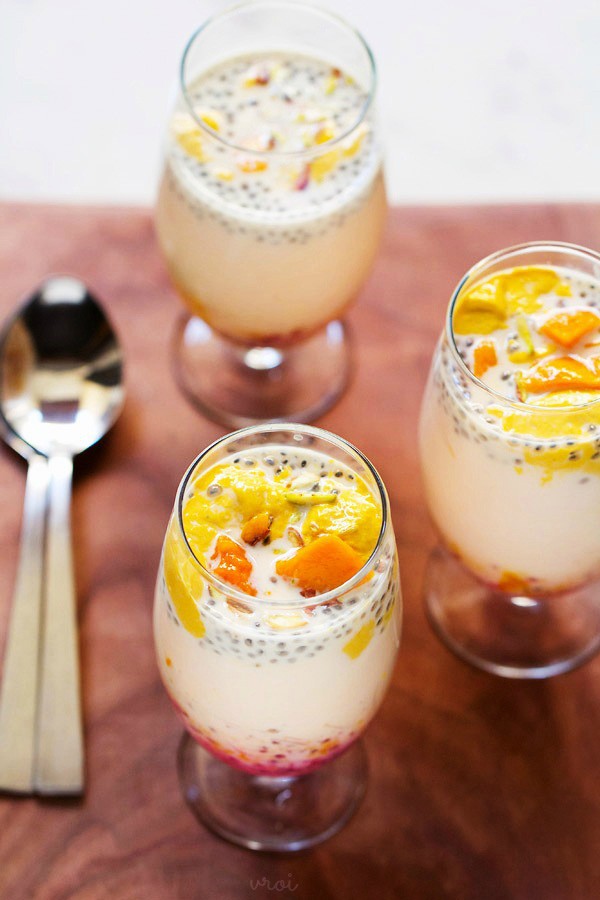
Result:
[61,379]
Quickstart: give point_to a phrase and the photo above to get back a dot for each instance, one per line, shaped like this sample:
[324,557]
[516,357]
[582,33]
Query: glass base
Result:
[237,385]
[508,634]
[276,813]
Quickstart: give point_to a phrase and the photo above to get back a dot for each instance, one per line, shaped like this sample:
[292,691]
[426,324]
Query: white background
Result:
[480,100]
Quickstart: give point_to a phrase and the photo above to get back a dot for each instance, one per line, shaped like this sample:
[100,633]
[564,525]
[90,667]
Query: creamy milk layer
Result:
[264,674]
[273,239]
[513,477]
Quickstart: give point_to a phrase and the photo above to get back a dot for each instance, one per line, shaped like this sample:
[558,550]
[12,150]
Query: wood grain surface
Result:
[480,788]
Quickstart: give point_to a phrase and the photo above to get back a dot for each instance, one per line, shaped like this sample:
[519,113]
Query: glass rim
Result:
[308,152]
[479,268]
[319,599]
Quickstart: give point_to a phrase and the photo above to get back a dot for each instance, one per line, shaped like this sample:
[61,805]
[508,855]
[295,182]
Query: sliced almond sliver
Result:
[295,537]
[286,621]
[238,606]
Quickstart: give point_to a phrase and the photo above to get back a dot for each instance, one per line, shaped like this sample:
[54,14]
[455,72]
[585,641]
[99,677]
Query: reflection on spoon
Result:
[20,669]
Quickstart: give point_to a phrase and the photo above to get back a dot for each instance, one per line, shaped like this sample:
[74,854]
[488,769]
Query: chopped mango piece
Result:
[328,746]
[224,174]
[565,373]
[252,165]
[324,164]
[256,529]
[553,423]
[487,297]
[512,583]
[568,326]
[481,310]
[322,565]
[524,285]
[355,517]
[558,399]
[184,583]
[484,357]
[234,567]
[563,289]
[360,640]
[325,133]
[188,136]
[210,117]
[485,307]
[240,494]
[227,496]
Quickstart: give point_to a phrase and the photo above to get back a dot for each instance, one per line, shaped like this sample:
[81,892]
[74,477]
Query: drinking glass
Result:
[275,696]
[514,490]
[268,234]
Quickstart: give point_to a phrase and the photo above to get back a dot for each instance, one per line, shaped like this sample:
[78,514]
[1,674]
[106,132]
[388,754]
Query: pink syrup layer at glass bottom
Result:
[239,759]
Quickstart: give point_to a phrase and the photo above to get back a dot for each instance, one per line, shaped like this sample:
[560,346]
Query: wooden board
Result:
[479,788]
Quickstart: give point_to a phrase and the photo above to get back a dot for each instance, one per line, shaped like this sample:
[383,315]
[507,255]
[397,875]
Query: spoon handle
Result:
[18,698]
[59,760]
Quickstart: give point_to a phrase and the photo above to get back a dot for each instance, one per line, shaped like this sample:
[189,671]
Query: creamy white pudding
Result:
[276,639]
[510,427]
[272,200]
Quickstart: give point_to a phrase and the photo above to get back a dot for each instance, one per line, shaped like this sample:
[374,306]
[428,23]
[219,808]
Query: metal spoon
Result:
[19,686]
[60,391]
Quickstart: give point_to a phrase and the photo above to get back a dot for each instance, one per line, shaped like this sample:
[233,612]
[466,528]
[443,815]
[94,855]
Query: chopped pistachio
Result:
[527,350]
[310,499]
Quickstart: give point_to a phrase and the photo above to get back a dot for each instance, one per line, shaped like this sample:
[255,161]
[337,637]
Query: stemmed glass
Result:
[270,208]
[514,490]
[275,696]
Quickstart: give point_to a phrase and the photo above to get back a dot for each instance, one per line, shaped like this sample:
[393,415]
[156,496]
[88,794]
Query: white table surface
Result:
[481,101]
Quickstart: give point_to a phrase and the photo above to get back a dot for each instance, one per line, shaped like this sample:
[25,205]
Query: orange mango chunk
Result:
[234,567]
[512,583]
[568,326]
[484,357]
[256,529]
[324,564]
[562,374]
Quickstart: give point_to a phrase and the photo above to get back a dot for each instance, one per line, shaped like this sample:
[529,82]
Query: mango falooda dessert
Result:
[277,605]
[272,201]
[510,429]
